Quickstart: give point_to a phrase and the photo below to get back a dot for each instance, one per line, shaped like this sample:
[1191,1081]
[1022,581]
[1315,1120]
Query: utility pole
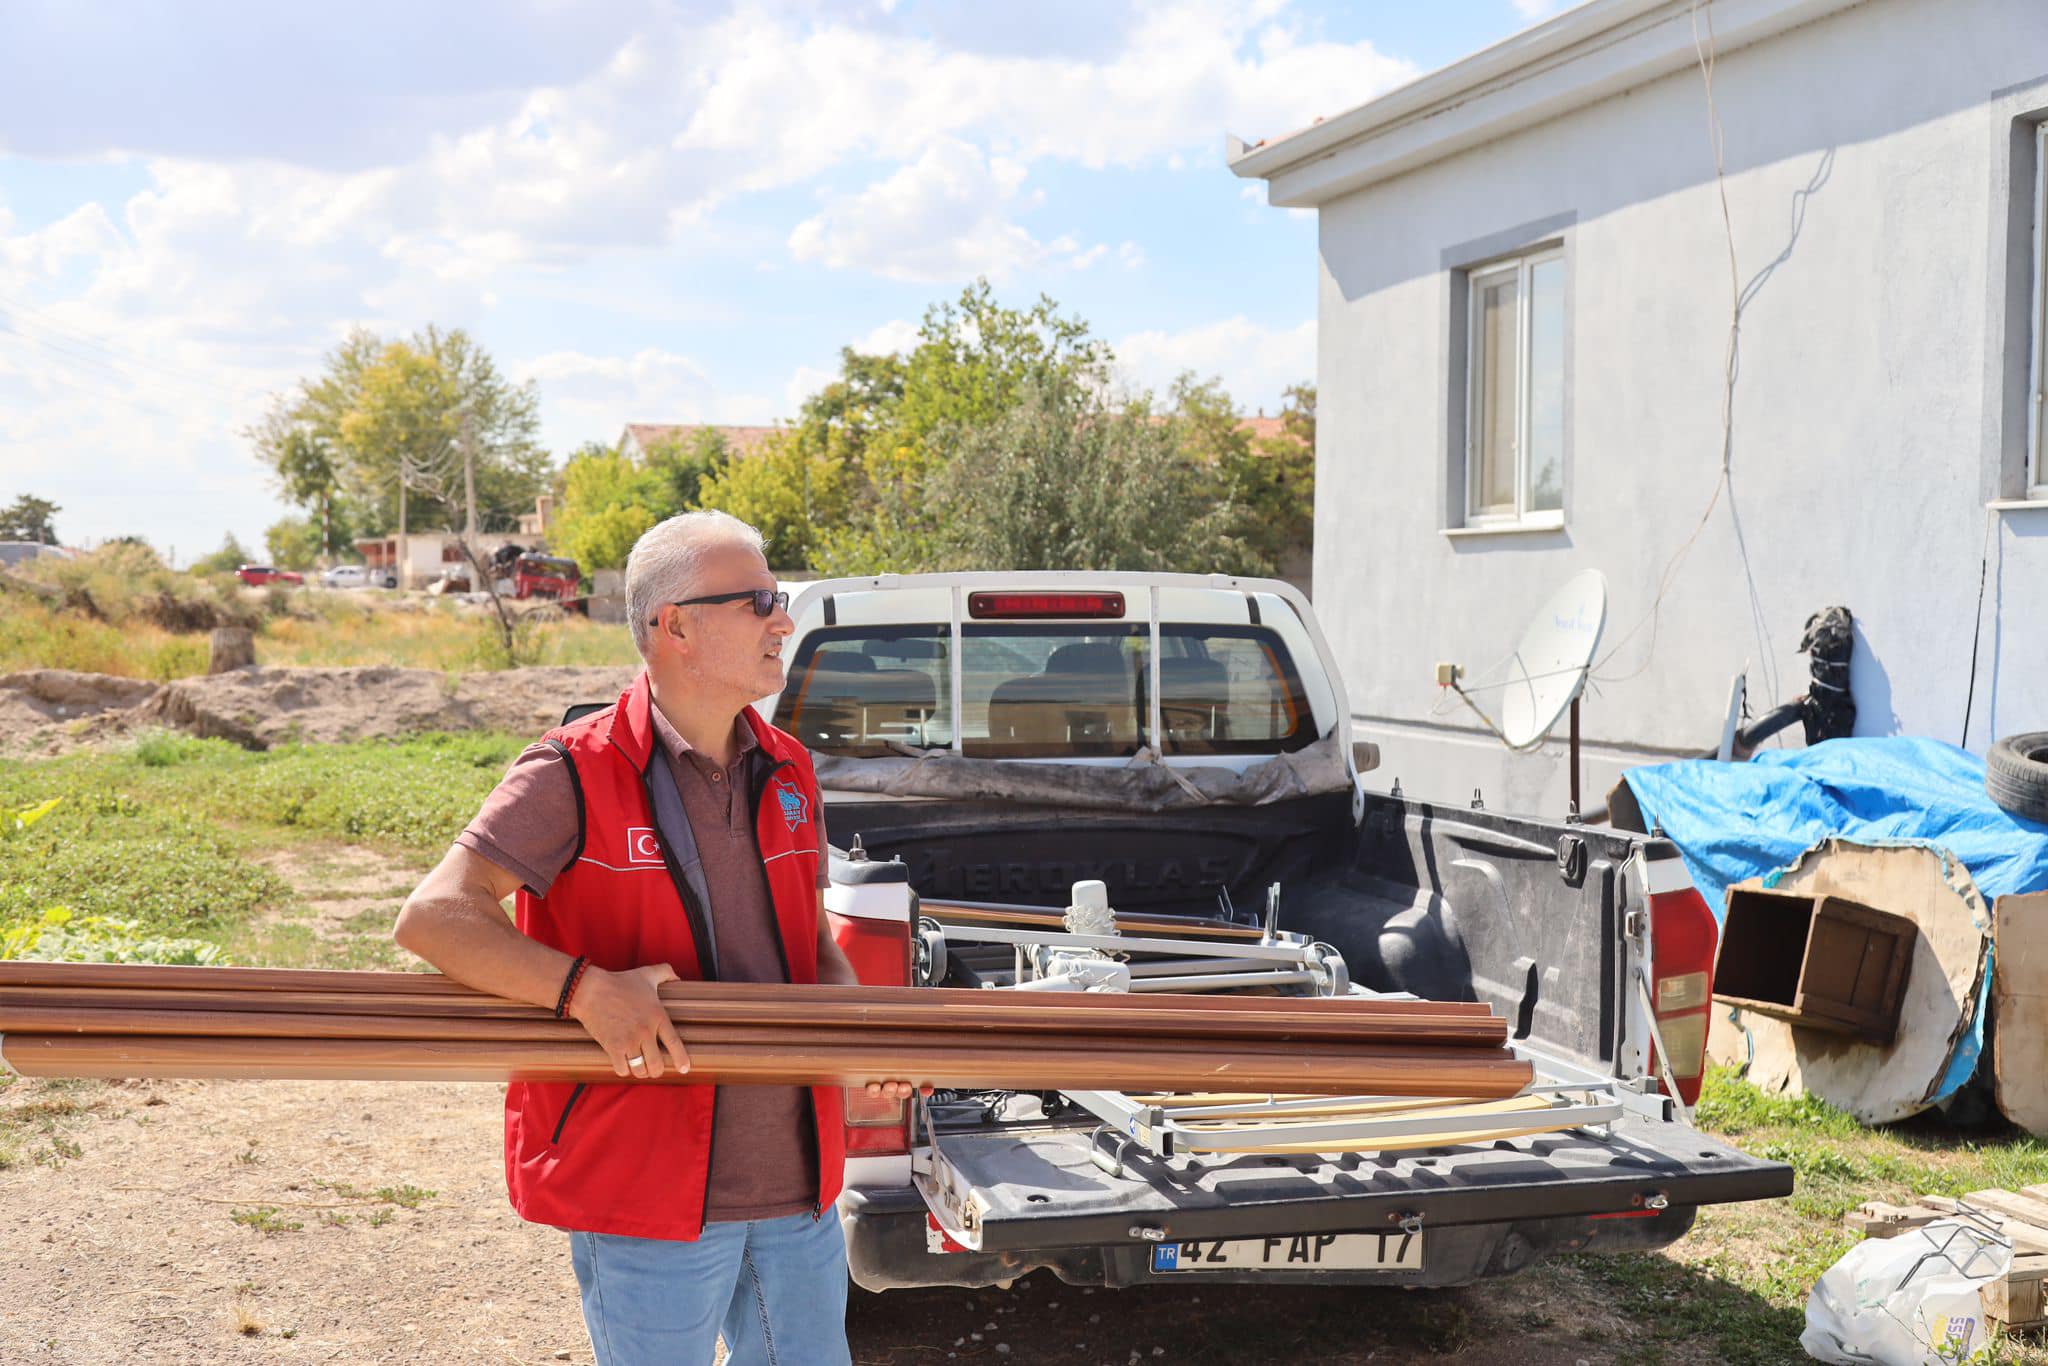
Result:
[404,565]
[468,438]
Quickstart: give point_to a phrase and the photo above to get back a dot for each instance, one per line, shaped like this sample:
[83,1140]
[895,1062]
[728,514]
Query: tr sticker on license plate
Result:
[1392,1251]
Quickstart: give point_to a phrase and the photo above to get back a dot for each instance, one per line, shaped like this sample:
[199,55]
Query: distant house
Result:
[416,558]
[1524,318]
[419,556]
[641,437]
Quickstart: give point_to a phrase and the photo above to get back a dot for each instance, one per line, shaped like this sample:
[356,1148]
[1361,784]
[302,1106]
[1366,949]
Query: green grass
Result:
[1741,1278]
[165,831]
[36,1126]
[265,1219]
[154,852]
[119,611]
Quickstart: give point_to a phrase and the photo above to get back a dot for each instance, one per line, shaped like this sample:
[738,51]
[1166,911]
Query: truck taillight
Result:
[879,949]
[1683,937]
[876,1127]
[1048,605]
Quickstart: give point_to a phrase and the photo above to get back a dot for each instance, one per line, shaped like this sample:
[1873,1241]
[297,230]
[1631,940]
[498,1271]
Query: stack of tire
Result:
[2016,774]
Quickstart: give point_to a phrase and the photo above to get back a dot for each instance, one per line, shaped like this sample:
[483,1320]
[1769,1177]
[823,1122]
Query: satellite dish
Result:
[1548,669]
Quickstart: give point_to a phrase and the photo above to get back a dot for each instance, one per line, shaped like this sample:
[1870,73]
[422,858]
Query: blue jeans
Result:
[775,1290]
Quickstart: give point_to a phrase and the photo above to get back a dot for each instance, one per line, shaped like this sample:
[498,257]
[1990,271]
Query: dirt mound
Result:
[47,711]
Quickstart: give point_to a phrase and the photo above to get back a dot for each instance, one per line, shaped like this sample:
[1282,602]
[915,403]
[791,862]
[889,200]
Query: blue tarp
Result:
[1737,821]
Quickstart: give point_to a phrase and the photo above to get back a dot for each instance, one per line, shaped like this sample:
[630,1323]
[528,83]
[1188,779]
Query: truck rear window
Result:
[870,690]
[1045,691]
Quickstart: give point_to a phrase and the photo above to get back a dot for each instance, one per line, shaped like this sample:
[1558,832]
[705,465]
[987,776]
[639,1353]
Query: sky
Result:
[656,212]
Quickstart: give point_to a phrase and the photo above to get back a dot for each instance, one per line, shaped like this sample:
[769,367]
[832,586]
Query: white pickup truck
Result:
[986,741]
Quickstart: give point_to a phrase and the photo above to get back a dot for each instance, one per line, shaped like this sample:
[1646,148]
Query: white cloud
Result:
[590,398]
[801,101]
[1534,10]
[1255,362]
[898,336]
[943,218]
[566,171]
[429,188]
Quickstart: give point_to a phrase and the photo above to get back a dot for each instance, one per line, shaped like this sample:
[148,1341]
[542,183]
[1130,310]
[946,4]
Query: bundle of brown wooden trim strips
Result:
[116,1020]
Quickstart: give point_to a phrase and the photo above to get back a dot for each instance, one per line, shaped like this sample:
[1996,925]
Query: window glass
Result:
[1229,690]
[1546,385]
[1053,691]
[1493,354]
[1045,692]
[870,690]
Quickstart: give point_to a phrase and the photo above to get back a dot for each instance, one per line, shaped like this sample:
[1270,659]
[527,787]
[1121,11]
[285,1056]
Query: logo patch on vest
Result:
[794,804]
[642,847]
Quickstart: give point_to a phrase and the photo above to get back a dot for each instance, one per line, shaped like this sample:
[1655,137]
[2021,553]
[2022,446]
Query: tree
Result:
[382,413]
[894,423]
[294,543]
[231,556]
[1064,481]
[607,502]
[1270,479]
[29,518]
[308,470]
[790,491]
[1279,487]
[684,465]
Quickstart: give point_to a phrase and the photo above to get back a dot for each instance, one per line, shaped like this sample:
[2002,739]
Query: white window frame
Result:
[1523,518]
[2037,369]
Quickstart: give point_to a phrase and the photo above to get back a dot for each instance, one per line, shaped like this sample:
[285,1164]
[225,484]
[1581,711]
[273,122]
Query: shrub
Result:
[60,935]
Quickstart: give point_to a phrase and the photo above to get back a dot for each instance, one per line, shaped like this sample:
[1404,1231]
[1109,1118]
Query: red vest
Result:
[630,1158]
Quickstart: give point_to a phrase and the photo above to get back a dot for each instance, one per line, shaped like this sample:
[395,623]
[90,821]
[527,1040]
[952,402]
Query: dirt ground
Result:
[201,1222]
[120,1224]
[54,711]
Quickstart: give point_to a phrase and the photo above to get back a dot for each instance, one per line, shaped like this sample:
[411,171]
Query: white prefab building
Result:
[1526,297]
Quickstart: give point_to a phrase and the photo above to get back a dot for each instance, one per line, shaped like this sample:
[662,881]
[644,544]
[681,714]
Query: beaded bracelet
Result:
[569,986]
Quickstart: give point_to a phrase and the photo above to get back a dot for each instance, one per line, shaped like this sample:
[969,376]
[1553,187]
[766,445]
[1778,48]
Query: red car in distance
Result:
[256,575]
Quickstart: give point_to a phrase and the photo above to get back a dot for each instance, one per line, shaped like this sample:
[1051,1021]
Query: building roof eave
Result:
[1589,53]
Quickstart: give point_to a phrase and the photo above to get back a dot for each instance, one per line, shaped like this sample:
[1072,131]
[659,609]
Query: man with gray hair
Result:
[671,835]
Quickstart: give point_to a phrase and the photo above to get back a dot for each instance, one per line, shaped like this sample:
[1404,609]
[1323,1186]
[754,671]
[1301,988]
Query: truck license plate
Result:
[1294,1252]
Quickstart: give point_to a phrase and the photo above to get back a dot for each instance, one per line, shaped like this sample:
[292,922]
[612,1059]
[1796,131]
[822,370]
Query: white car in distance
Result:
[357,576]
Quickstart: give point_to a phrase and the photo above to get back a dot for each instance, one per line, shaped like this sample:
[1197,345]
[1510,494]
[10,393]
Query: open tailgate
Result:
[996,1187]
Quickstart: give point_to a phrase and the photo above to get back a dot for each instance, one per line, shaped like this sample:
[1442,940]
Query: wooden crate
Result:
[2014,1299]
[1823,962]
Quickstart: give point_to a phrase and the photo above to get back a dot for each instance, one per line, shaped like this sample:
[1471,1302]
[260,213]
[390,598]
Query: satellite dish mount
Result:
[1547,672]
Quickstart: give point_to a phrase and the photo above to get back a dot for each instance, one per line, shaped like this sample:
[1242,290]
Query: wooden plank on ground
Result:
[2015,1299]
[2019,1213]
[2018,1299]
[1880,1219]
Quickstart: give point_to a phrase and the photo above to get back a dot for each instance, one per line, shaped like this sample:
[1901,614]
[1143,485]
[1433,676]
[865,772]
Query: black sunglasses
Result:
[766,600]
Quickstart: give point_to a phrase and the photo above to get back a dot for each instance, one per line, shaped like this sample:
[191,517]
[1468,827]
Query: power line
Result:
[105,392]
[1706,55]
[76,335]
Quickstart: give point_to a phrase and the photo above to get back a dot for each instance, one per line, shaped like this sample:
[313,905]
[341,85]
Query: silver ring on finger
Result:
[636,1062]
